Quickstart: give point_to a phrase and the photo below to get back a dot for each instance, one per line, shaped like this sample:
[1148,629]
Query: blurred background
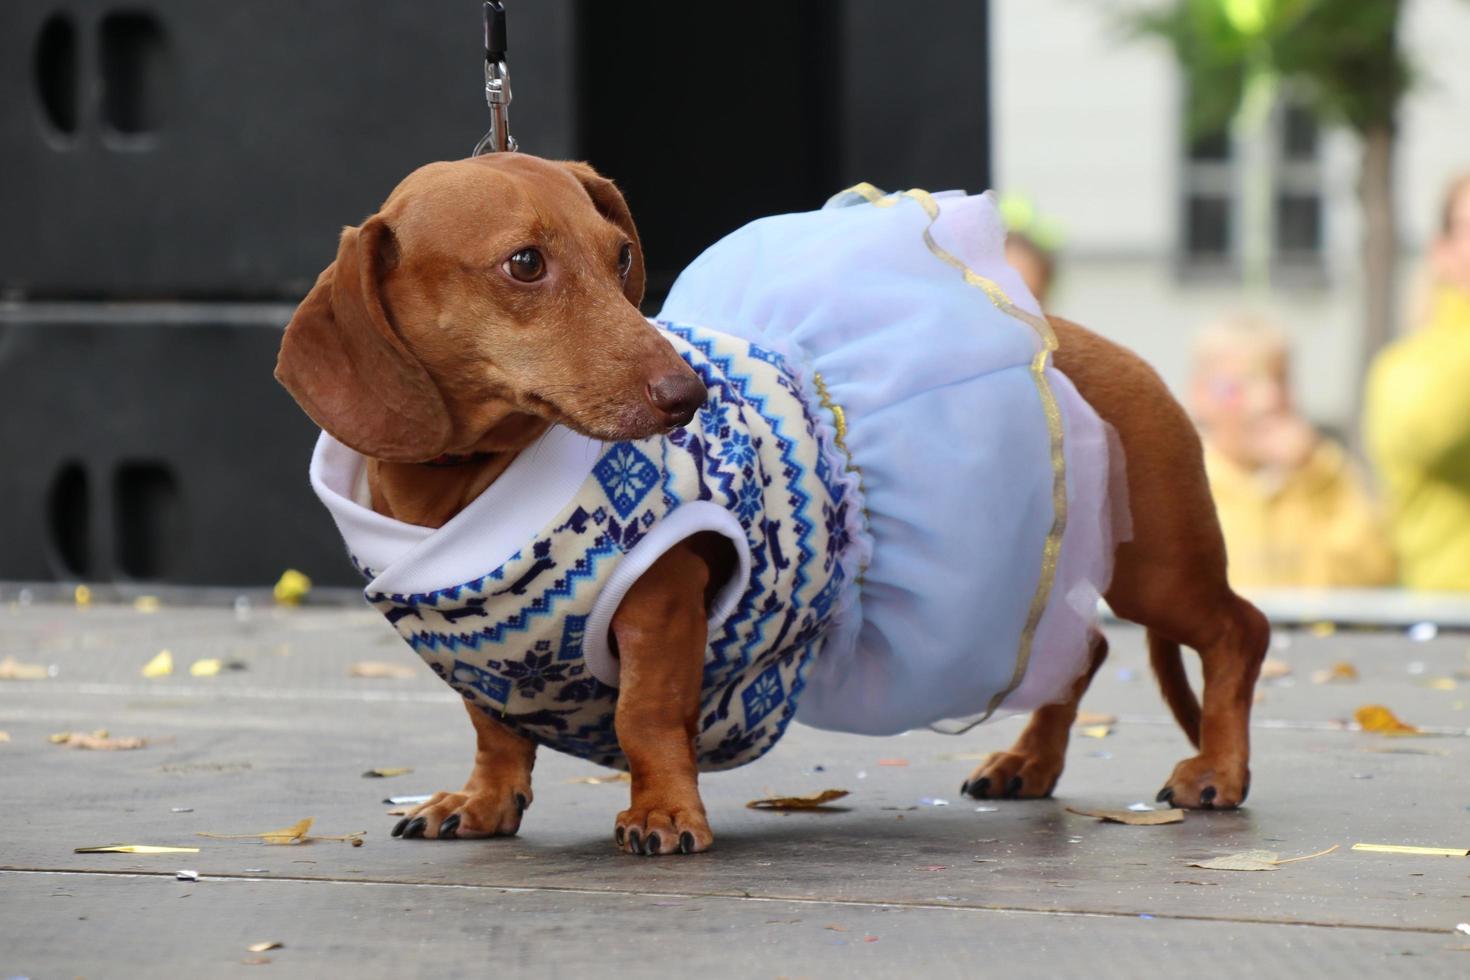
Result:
[1254,194]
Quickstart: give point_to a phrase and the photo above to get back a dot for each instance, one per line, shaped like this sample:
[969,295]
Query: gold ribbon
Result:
[1052,548]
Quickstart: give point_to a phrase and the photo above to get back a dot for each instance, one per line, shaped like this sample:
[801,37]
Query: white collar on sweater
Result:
[407,558]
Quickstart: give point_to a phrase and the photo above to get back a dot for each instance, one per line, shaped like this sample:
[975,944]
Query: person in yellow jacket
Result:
[1417,417]
[1294,510]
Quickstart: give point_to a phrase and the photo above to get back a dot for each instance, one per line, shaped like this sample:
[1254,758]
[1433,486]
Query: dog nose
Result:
[677,396]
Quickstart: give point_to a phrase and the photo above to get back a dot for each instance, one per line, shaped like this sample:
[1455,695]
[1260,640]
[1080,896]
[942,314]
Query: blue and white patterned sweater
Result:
[526,640]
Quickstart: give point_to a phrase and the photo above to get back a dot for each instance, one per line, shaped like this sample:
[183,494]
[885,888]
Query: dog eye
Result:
[625,260]
[527,265]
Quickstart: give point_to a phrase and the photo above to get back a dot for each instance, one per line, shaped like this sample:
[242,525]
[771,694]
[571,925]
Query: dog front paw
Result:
[470,814]
[1014,776]
[1204,784]
[654,830]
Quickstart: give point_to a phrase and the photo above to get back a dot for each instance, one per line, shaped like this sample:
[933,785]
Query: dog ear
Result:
[610,204]
[347,367]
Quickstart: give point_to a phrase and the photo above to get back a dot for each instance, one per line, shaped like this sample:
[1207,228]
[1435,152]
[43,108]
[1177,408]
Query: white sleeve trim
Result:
[688,519]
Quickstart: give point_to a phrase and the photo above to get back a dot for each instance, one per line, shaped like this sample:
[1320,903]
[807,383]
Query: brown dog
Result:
[492,298]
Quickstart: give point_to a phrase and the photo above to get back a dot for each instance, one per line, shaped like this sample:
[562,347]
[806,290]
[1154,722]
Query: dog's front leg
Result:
[661,631]
[494,797]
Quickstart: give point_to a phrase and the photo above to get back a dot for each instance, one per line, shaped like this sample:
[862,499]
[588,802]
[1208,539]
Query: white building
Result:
[1088,124]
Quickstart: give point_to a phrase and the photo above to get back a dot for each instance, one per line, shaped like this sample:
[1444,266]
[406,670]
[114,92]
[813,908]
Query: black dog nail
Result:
[1013,787]
[522,802]
[981,788]
[398,827]
[635,841]
[618,836]
[653,845]
[1207,797]
[686,843]
[965,788]
[1165,795]
[415,827]
[449,829]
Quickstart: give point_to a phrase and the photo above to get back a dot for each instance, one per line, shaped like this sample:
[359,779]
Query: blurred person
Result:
[1417,415]
[1294,510]
[1031,246]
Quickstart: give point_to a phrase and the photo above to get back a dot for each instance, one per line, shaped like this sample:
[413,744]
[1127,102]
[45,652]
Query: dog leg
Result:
[661,630]
[494,797]
[1030,768]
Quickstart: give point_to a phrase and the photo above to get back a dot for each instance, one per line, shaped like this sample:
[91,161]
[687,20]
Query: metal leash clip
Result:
[497,83]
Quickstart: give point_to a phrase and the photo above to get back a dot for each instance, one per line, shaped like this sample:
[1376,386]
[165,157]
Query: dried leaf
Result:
[1379,720]
[1095,718]
[616,777]
[1133,818]
[264,947]
[1096,731]
[134,849]
[1273,670]
[814,801]
[1254,860]
[161,665]
[205,668]
[386,773]
[13,670]
[1341,672]
[1458,852]
[294,834]
[98,740]
[382,670]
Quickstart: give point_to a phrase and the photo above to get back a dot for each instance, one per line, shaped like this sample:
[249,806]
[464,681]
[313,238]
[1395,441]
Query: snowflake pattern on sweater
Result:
[512,641]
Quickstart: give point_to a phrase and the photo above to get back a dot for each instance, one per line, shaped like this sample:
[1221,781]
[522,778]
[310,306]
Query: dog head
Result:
[487,298]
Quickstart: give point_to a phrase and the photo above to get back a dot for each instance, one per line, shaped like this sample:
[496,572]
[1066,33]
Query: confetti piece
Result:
[813,801]
[1273,670]
[1379,720]
[1087,718]
[386,773]
[1458,852]
[893,762]
[1254,860]
[146,604]
[616,777]
[160,666]
[1096,731]
[205,668]
[835,928]
[181,809]
[933,801]
[1395,750]
[291,588]
[4,736]
[264,947]
[186,875]
[83,596]
[1423,632]
[134,849]
[408,800]
[1443,684]
[98,740]
[1341,672]
[1132,817]
[1322,629]
[13,670]
[1463,927]
[381,670]
[1141,807]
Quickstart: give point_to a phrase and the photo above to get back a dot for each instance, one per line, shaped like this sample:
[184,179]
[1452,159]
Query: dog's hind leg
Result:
[1030,768]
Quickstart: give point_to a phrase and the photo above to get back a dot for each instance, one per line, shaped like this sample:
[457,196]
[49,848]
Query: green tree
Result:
[1343,56]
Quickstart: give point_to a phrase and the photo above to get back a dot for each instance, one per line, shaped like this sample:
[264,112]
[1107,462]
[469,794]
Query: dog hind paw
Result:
[467,815]
[1201,784]
[1013,776]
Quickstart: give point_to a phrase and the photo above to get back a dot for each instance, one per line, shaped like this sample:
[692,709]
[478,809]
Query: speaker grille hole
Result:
[149,519]
[135,70]
[55,68]
[67,520]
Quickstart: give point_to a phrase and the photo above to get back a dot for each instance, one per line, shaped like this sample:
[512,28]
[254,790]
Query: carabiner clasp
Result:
[497,83]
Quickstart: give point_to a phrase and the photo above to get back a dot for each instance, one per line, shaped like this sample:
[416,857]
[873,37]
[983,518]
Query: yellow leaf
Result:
[13,670]
[134,849]
[205,668]
[263,947]
[293,834]
[1378,719]
[146,604]
[385,773]
[1458,852]
[377,670]
[1323,629]
[813,801]
[98,740]
[83,596]
[1096,731]
[1341,672]
[1443,684]
[160,666]
[1135,818]
[291,588]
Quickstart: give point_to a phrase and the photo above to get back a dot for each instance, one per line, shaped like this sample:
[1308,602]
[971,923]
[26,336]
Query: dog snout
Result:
[677,396]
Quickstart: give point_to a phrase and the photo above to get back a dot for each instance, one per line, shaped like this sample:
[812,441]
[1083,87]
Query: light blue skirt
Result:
[988,517]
